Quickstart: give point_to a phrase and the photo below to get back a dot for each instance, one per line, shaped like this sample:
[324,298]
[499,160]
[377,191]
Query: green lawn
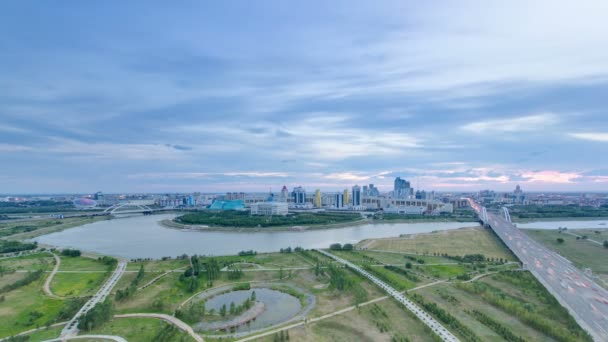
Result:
[81,264]
[458,242]
[141,330]
[29,262]
[77,284]
[443,271]
[26,308]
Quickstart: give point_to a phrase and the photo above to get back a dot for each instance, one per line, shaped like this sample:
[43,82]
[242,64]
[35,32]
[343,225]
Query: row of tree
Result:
[123,294]
[340,247]
[97,316]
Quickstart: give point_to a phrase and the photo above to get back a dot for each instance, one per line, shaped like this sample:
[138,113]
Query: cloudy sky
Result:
[250,95]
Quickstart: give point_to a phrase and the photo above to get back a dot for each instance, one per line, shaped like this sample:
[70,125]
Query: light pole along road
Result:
[437,328]
[586,301]
[71,329]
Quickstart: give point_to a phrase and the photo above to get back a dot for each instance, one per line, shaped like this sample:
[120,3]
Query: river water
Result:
[144,237]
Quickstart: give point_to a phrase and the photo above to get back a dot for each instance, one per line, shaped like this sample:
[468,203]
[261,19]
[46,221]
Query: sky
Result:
[212,96]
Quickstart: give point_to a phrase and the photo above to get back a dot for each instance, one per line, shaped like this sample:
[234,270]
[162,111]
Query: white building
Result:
[269,208]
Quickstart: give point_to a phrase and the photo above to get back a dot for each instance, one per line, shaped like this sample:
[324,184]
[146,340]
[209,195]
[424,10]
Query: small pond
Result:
[278,307]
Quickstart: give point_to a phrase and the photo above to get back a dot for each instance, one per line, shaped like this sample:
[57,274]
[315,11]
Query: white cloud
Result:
[14,148]
[512,125]
[591,136]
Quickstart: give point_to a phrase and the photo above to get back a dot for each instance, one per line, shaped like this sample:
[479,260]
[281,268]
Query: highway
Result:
[71,329]
[439,329]
[586,301]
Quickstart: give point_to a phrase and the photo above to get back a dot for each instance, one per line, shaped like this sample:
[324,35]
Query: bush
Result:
[335,247]
[559,240]
[70,252]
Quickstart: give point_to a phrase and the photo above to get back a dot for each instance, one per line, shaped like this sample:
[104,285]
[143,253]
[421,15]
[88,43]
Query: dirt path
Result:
[170,319]
[47,284]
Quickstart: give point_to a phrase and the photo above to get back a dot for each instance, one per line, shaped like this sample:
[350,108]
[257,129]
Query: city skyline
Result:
[243,97]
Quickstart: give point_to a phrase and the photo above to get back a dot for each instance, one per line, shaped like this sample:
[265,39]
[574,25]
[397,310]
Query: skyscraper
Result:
[299,196]
[346,197]
[317,201]
[402,188]
[356,196]
[339,201]
[284,194]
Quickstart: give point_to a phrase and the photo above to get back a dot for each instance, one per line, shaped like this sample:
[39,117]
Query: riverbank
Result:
[169,223]
[552,219]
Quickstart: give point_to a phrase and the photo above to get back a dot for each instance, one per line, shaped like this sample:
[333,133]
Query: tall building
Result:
[299,196]
[356,196]
[346,197]
[372,191]
[402,188]
[339,201]
[318,199]
[284,194]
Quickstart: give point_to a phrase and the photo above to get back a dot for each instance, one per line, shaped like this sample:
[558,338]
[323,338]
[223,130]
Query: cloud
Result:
[207,175]
[512,125]
[554,177]
[591,136]
[14,148]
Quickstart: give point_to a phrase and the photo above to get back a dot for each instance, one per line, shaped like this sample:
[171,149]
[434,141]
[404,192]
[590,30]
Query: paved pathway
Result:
[80,337]
[47,284]
[72,328]
[580,236]
[173,320]
[439,329]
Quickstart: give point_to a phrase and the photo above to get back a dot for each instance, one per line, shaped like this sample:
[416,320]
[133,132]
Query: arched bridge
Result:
[128,208]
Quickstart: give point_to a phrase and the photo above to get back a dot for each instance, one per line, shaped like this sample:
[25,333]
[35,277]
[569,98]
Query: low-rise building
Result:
[269,208]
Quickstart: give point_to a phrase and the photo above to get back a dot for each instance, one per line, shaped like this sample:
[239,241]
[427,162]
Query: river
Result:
[145,237]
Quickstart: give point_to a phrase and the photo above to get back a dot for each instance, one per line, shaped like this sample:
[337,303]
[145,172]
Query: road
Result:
[47,283]
[175,321]
[72,328]
[429,321]
[586,301]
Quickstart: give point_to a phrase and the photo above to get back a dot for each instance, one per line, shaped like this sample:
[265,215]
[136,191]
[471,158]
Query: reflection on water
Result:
[144,237]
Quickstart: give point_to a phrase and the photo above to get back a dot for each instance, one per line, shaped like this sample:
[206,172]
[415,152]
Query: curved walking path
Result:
[79,337]
[170,319]
[47,284]
[34,330]
[157,278]
[329,315]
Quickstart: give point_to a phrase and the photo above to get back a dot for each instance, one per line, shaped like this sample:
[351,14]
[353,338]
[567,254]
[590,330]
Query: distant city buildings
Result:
[356,196]
[402,188]
[318,202]
[269,208]
[299,196]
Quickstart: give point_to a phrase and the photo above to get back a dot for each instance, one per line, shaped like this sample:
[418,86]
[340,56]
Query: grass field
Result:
[30,262]
[82,264]
[77,284]
[26,308]
[30,229]
[377,322]
[582,253]
[142,330]
[456,242]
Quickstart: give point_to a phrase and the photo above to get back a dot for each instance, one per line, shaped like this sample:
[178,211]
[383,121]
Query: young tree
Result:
[223,310]
[232,308]
[408,265]
[253,296]
[559,240]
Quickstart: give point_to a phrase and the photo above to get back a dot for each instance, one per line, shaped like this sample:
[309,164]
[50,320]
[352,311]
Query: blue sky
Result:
[236,95]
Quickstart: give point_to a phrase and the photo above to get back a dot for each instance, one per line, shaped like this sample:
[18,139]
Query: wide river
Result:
[144,237]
